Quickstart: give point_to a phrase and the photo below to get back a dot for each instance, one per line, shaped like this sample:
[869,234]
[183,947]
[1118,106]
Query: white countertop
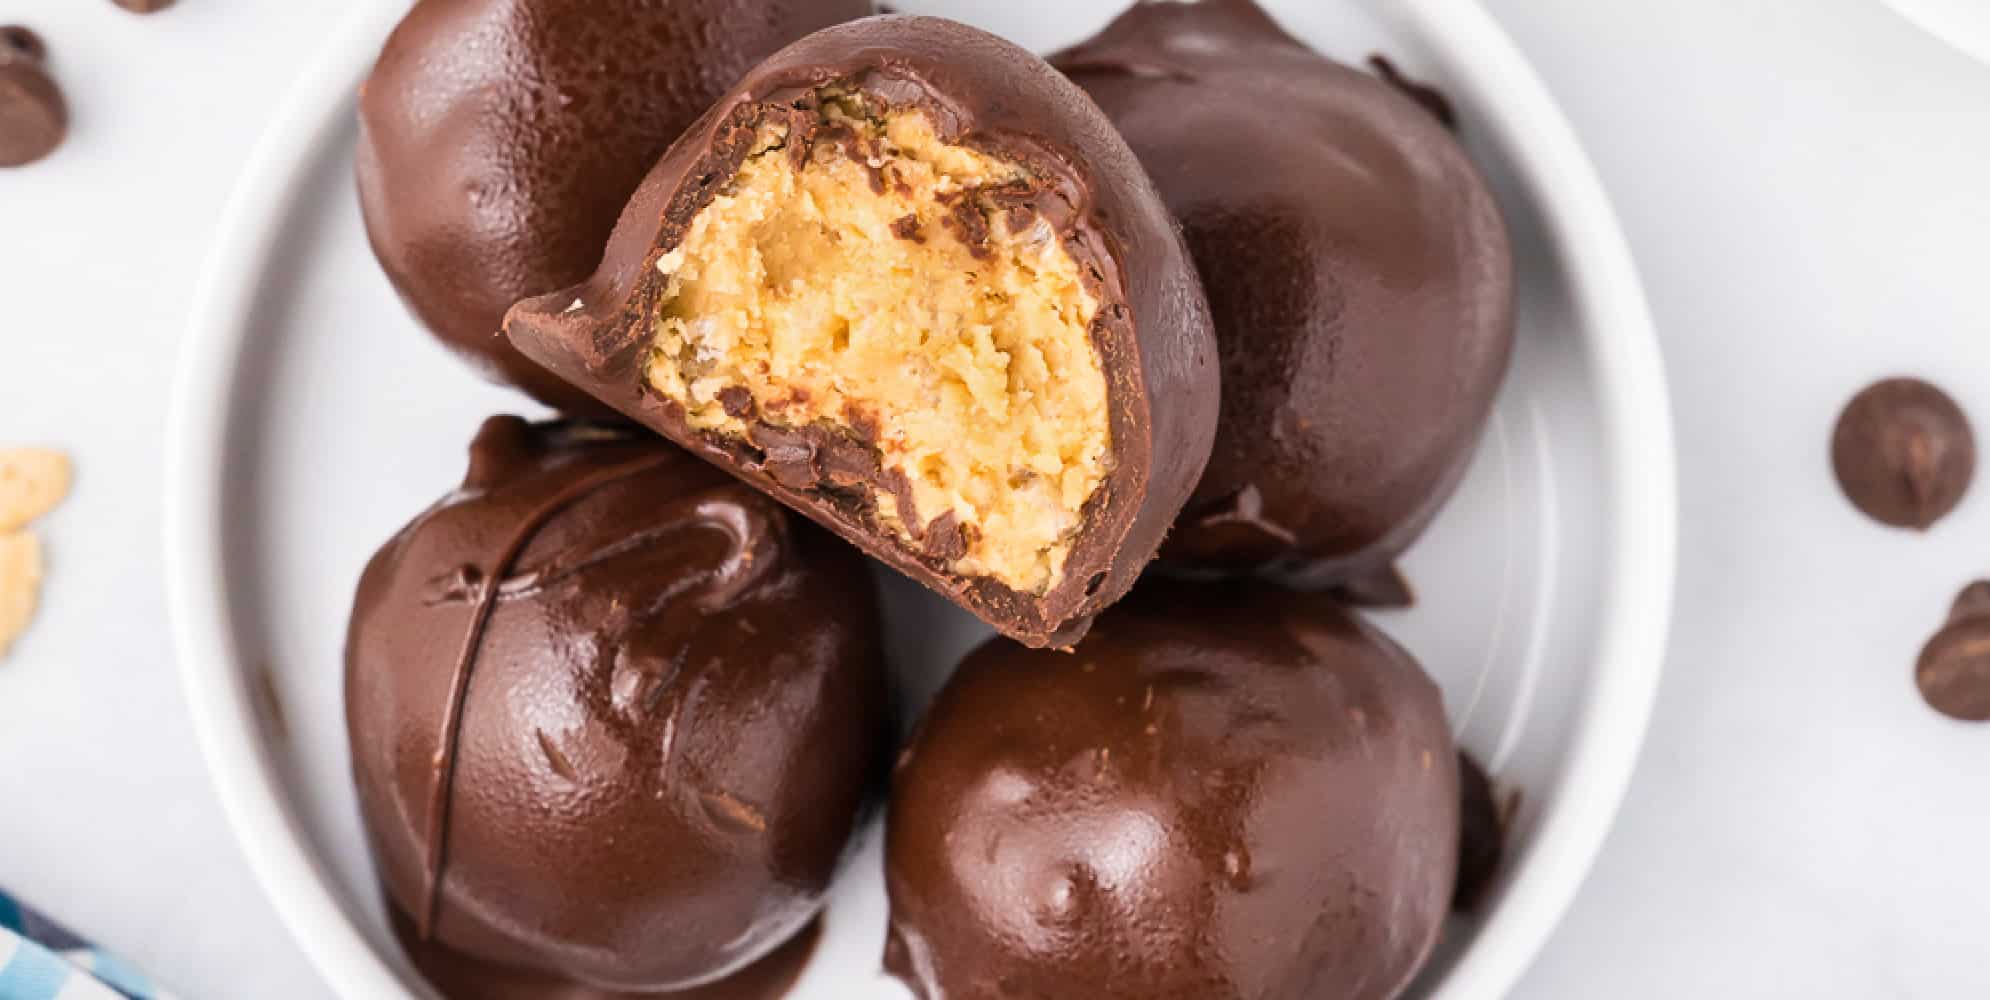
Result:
[1807,186]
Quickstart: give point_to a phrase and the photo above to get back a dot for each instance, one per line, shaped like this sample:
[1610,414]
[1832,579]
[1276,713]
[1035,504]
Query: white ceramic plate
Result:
[312,420]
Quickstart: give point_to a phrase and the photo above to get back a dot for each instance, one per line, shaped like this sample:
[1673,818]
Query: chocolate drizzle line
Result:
[452,721]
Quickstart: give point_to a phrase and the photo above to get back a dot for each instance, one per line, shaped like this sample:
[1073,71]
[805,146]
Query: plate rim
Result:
[1606,295]
[1638,454]
[212,669]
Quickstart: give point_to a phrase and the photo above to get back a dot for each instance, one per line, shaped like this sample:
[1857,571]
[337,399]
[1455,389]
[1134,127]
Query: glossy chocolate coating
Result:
[1152,333]
[499,140]
[613,715]
[1222,794]
[1432,99]
[459,977]
[1904,453]
[34,117]
[1358,269]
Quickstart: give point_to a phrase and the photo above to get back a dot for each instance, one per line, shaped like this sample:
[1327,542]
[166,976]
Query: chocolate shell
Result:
[906,279]
[1221,794]
[1358,269]
[500,138]
[459,977]
[613,716]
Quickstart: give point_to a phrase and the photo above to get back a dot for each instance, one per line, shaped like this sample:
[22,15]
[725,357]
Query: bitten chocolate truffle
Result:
[1904,453]
[500,138]
[613,715]
[1220,794]
[34,118]
[908,280]
[1358,269]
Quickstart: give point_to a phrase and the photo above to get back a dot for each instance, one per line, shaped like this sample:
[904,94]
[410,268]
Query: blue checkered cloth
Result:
[42,960]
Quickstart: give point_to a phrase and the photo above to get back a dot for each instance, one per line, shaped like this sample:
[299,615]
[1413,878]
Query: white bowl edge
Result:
[1638,445]
[218,697]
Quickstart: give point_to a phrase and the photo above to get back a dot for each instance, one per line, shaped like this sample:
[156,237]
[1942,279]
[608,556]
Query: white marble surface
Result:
[1804,182]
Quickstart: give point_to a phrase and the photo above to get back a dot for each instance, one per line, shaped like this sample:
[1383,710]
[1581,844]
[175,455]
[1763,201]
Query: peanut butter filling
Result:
[893,289]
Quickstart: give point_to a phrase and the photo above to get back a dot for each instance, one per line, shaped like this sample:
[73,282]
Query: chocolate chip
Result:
[737,401]
[1481,835]
[863,425]
[946,539]
[1973,602]
[1904,453]
[968,225]
[144,6]
[1954,669]
[847,463]
[1430,97]
[790,457]
[815,457]
[33,115]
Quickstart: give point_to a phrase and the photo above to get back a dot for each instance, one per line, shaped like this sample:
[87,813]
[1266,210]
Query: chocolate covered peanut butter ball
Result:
[1358,270]
[613,715]
[1226,793]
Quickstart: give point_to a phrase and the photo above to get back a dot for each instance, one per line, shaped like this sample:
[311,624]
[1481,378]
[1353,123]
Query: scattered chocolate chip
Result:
[33,115]
[144,6]
[1381,588]
[1904,453]
[1954,669]
[1430,97]
[1481,835]
[1973,602]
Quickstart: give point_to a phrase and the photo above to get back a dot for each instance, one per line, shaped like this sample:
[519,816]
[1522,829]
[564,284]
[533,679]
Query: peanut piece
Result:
[32,482]
[20,583]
